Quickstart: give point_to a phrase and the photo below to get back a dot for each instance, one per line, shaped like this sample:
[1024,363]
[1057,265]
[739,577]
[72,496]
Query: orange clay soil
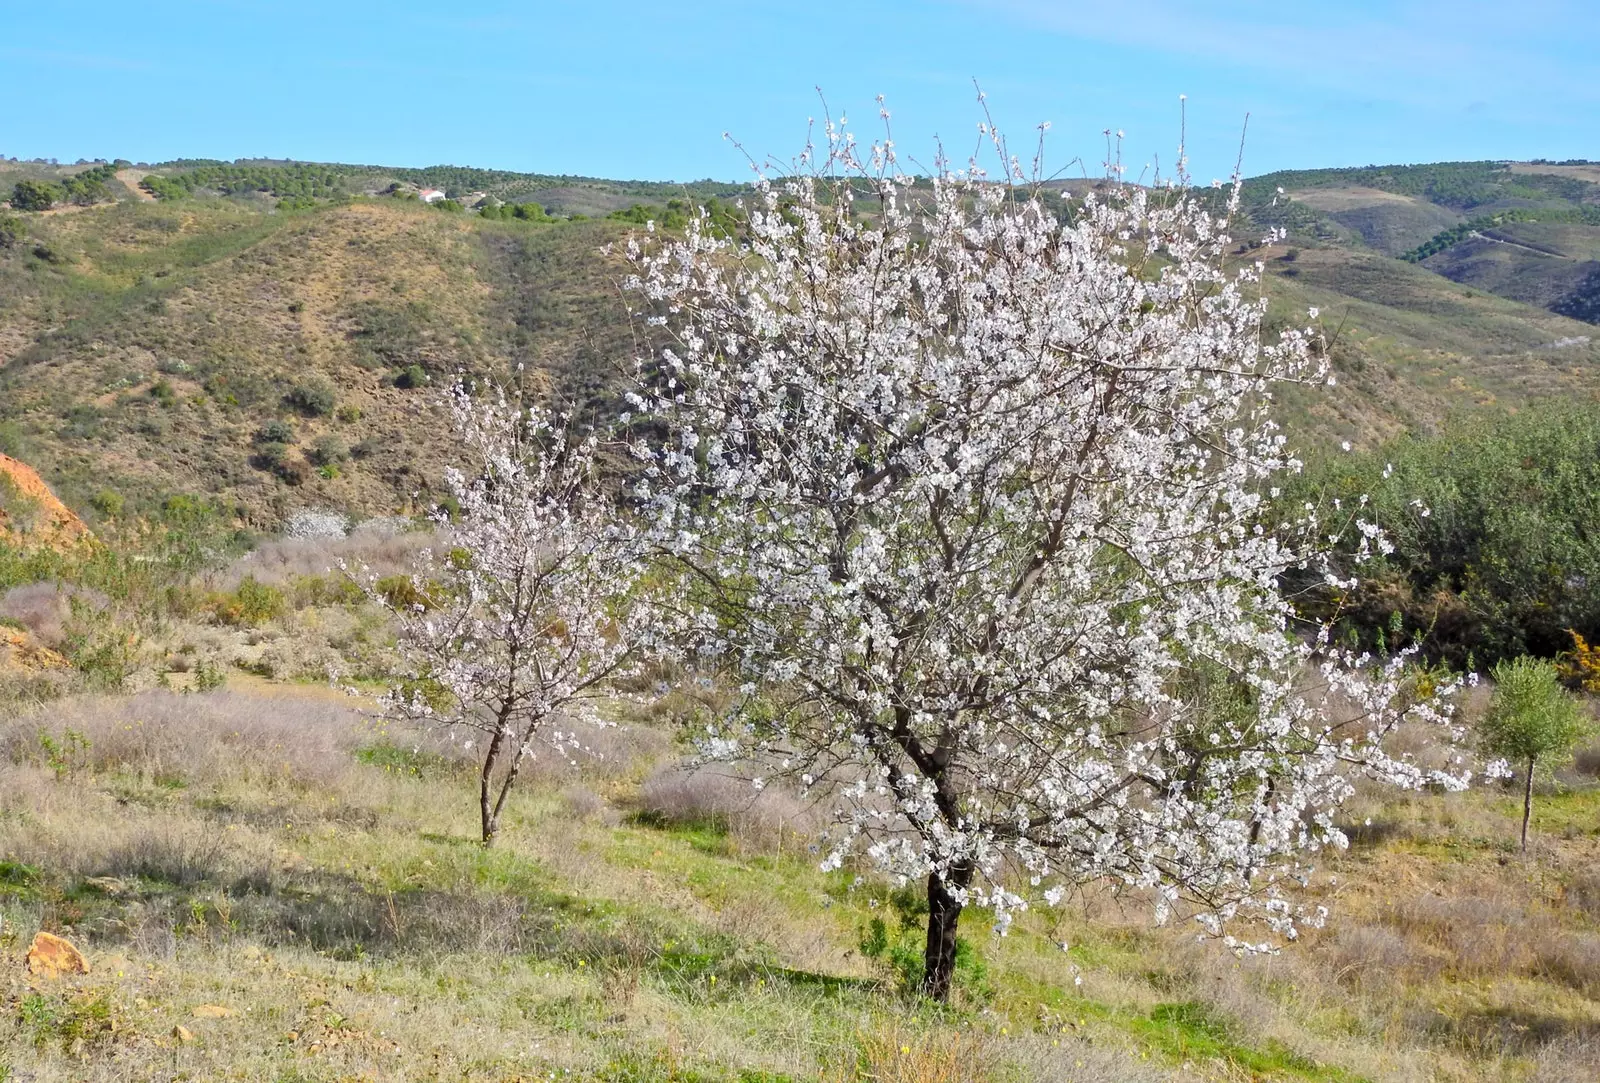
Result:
[50,521]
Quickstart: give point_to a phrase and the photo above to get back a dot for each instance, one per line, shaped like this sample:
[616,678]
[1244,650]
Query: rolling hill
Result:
[263,333]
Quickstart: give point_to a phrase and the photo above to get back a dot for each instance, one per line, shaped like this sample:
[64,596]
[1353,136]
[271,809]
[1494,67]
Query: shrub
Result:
[11,231]
[271,454]
[47,610]
[250,604]
[108,503]
[283,462]
[275,432]
[1532,721]
[32,195]
[293,471]
[1580,667]
[412,376]
[328,450]
[315,397]
[1491,523]
[195,737]
[711,797]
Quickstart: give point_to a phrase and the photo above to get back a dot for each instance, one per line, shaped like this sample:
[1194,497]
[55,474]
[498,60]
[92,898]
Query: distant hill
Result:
[264,333]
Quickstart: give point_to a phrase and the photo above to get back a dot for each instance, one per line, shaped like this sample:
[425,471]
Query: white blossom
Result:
[975,495]
[532,602]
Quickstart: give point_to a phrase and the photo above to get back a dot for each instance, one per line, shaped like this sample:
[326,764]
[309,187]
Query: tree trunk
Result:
[944,912]
[488,812]
[511,777]
[1527,806]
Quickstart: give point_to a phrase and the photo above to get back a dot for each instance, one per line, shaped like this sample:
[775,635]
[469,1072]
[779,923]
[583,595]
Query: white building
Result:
[430,195]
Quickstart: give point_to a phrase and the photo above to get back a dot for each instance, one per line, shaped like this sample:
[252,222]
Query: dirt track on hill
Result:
[130,179]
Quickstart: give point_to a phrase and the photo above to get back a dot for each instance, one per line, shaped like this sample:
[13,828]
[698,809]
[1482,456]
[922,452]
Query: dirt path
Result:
[1518,244]
[130,179]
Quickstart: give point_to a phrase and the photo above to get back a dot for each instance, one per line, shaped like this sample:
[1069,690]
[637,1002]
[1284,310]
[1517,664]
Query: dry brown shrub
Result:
[719,796]
[208,737]
[1480,934]
[45,609]
[1572,1059]
[1571,958]
[582,803]
[283,561]
[1582,892]
[1377,957]
[1586,761]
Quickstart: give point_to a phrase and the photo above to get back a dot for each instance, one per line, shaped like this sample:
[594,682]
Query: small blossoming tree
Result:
[977,488]
[529,606]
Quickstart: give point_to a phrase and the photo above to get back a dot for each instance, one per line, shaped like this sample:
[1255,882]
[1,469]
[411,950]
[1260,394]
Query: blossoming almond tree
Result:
[530,606]
[979,493]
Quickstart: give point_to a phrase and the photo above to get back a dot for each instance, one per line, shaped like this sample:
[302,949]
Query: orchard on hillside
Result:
[974,491]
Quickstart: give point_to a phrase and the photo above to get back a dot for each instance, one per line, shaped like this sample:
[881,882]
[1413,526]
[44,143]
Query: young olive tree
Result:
[977,488]
[531,602]
[1532,722]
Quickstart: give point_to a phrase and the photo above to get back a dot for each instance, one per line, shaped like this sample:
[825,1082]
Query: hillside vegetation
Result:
[272,881]
[263,333]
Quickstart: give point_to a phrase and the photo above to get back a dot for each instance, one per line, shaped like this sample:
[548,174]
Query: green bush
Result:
[107,503]
[275,431]
[328,450]
[1492,522]
[11,231]
[1532,722]
[250,604]
[315,397]
[32,195]
[898,947]
[273,453]
[412,376]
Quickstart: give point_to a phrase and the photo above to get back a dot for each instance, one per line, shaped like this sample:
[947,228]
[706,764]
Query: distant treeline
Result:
[1453,236]
[1462,186]
[1496,529]
[294,182]
[284,177]
[83,189]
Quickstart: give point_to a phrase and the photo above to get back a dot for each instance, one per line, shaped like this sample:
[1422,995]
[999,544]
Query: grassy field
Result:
[271,883]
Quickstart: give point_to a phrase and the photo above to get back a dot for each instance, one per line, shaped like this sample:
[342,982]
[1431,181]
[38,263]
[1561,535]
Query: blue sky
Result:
[646,90]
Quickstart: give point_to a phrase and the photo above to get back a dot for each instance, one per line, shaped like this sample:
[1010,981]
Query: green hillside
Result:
[263,332]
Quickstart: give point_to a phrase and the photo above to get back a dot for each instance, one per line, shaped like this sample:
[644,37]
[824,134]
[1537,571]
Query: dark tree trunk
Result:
[1527,806]
[489,811]
[944,913]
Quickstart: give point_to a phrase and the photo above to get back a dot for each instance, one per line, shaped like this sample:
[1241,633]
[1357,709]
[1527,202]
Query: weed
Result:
[64,757]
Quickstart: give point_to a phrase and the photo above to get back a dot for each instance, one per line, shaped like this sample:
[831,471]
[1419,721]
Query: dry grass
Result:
[272,849]
[165,738]
[282,562]
[46,609]
[726,800]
